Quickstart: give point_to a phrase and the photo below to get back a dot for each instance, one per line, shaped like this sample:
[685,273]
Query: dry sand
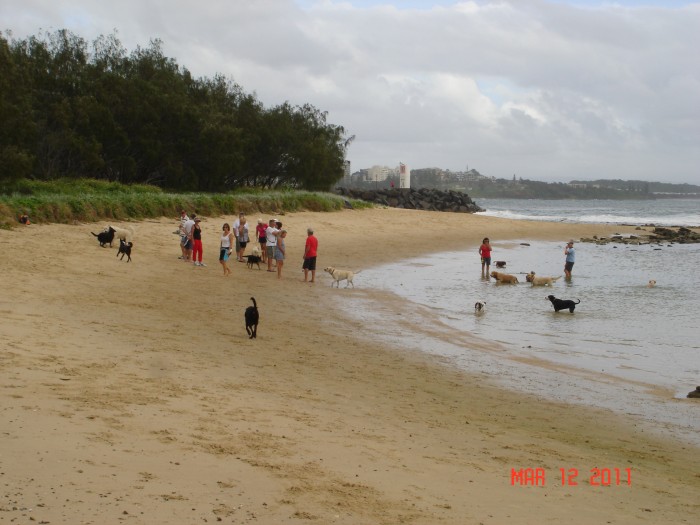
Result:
[131,394]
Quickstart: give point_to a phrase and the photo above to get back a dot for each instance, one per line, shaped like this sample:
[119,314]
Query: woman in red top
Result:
[262,239]
[485,252]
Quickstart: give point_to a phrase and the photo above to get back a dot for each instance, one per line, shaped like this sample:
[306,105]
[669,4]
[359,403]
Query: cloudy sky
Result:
[549,90]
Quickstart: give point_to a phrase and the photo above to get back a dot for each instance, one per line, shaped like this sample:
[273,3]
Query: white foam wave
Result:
[678,220]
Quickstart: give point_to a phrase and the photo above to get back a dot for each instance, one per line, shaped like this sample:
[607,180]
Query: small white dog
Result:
[123,234]
[340,275]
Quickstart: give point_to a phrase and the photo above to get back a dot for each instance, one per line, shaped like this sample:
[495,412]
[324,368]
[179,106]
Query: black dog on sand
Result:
[125,249]
[106,236]
[251,320]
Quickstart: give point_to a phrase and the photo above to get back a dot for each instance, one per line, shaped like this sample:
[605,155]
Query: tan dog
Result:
[340,275]
[541,281]
[505,277]
[651,284]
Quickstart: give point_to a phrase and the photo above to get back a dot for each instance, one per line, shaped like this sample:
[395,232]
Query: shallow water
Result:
[627,347]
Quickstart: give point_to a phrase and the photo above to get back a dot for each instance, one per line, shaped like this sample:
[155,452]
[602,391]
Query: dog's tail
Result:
[94,234]
[578,301]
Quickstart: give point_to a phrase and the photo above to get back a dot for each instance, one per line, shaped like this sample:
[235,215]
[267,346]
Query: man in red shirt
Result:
[310,251]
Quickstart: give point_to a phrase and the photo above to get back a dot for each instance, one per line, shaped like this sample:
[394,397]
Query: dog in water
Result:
[125,249]
[541,281]
[500,264]
[651,283]
[479,307]
[251,320]
[505,277]
[340,275]
[562,304]
[106,236]
[253,259]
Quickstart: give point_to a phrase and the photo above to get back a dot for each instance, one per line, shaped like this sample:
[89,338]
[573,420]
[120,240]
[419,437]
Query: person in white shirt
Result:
[271,243]
[236,233]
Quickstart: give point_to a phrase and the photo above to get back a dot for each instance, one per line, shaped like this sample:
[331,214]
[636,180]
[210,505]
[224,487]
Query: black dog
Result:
[562,304]
[251,320]
[125,249]
[253,259]
[500,264]
[106,236]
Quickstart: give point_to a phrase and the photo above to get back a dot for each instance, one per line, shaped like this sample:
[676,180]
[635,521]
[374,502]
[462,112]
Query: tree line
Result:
[69,109]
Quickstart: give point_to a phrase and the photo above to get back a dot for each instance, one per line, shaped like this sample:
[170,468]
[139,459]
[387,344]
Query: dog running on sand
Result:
[106,236]
[562,304]
[125,249]
[251,320]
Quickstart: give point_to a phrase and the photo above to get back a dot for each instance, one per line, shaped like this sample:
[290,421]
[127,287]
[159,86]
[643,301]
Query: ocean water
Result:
[661,212]
[628,347]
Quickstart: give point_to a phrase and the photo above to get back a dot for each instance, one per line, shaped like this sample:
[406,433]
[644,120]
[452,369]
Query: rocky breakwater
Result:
[657,236]
[422,199]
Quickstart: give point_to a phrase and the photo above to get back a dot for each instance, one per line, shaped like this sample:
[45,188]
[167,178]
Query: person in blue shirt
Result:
[570,258]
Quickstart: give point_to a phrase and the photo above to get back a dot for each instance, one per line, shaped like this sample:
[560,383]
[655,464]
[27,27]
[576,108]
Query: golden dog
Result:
[505,277]
[541,281]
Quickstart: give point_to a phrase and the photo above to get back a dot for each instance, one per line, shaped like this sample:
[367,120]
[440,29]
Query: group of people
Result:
[485,253]
[271,238]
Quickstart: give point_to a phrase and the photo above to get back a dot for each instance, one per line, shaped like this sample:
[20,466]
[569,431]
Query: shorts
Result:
[568,266]
[486,261]
[223,254]
[188,244]
[309,263]
[238,245]
[183,239]
[279,256]
[262,240]
[243,244]
[270,251]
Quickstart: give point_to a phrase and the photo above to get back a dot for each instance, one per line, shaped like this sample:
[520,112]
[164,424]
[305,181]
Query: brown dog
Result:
[504,277]
[541,281]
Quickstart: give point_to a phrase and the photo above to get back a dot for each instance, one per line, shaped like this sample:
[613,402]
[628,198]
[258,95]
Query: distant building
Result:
[404,176]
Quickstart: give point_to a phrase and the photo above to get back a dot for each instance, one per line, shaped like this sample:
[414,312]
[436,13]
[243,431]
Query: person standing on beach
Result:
[225,247]
[570,259]
[197,250]
[310,251]
[271,243]
[262,238]
[188,227]
[485,252]
[236,234]
[243,238]
[280,251]
[183,236]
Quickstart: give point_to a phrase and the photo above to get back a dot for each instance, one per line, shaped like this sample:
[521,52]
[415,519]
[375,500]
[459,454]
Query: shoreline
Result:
[132,391]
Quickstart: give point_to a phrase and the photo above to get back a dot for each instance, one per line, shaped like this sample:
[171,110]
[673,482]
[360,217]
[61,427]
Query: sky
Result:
[550,90]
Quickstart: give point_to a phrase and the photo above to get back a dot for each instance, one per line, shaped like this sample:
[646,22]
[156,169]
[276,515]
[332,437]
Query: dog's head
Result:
[652,283]
[551,298]
[494,275]
[124,244]
[329,269]
[529,276]
[479,306]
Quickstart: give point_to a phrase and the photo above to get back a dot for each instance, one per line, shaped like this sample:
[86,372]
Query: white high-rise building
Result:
[404,176]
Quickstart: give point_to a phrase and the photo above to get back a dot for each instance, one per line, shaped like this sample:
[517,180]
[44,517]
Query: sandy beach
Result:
[131,394]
